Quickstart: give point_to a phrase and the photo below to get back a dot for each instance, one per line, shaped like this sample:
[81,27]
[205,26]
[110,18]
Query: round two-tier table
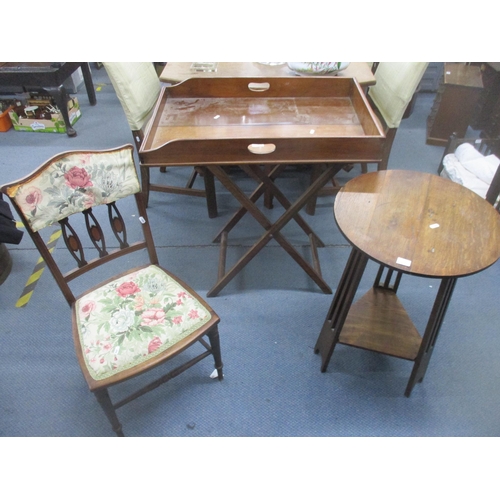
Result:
[410,223]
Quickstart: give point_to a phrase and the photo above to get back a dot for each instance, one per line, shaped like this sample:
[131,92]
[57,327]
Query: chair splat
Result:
[95,232]
[117,225]
[73,242]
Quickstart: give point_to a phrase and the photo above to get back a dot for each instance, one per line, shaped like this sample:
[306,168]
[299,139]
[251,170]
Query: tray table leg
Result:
[272,230]
[270,187]
[253,198]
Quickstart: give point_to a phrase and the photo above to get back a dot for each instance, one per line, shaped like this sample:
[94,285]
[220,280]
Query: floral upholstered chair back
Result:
[73,182]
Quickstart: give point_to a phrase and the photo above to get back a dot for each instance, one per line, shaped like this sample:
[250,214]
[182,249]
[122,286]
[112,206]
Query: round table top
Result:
[419,223]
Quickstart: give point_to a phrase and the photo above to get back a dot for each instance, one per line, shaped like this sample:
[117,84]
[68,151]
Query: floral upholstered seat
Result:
[133,318]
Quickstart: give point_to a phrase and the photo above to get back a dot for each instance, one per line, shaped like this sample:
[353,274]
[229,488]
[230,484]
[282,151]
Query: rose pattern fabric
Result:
[134,318]
[74,183]
[31,199]
[77,177]
[127,288]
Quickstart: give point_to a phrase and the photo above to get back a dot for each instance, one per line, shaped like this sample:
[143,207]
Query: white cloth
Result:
[454,170]
[467,152]
[483,167]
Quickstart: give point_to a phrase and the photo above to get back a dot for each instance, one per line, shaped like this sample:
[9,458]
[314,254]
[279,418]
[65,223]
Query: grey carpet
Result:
[271,315]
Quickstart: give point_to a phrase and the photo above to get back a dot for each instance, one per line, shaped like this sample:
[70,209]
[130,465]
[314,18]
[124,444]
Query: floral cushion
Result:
[74,183]
[134,318]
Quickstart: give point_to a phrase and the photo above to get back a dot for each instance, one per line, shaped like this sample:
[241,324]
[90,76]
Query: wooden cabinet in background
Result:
[487,117]
[432,77]
[455,103]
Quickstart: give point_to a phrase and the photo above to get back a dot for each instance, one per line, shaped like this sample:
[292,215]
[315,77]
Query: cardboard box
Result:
[29,118]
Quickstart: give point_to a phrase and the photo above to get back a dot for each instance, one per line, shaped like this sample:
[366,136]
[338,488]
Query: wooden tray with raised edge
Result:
[262,120]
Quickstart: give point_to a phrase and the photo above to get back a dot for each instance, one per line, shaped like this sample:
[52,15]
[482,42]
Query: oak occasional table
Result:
[176,72]
[49,77]
[257,122]
[410,223]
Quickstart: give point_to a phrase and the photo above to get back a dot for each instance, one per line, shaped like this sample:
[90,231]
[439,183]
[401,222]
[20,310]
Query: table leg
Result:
[89,84]
[431,332]
[270,188]
[267,187]
[272,229]
[253,198]
[337,314]
[208,179]
[61,99]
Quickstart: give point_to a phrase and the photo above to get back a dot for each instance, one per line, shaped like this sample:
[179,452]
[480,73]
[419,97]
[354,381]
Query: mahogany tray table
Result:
[256,122]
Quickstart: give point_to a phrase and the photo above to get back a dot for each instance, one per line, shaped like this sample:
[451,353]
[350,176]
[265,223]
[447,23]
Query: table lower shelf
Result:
[379,322]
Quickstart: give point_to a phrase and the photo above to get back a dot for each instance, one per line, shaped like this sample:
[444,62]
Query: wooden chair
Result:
[455,166]
[137,87]
[136,320]
[389,98]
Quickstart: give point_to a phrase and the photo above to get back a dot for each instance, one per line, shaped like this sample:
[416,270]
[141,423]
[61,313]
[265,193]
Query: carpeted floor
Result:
[271,316]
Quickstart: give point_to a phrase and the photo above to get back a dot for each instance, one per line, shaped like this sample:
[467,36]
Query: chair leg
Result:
[145,185]
[106,404]
[208,179]
[192,178]
[389,139]
[213,336]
